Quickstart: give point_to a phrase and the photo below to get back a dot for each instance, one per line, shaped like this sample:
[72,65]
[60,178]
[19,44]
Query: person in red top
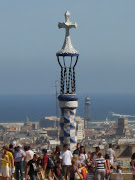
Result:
[47,171]
[83,171]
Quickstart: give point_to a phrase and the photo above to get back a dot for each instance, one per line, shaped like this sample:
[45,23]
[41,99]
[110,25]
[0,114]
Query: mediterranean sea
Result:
[15,108]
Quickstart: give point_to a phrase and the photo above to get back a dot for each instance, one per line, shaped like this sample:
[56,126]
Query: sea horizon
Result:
[15,107]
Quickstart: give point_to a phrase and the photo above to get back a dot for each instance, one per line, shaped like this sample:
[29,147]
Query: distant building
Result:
[87,113]
[34,126]
[26,128]
[46,122]
[2,128]
[122,129]
[80,128]
[11,129]
[125,141]
[89,134]
[43,133]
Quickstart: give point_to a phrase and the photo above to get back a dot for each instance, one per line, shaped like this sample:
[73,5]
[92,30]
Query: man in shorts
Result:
[111,153]
[11,161]
[66,157]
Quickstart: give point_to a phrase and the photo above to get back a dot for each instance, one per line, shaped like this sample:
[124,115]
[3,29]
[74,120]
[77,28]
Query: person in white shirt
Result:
[83,156]
[30,152]
[111,153]
[119,173]
[29,156]
[66,157]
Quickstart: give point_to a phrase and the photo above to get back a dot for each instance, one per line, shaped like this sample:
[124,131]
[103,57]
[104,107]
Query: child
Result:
[83,171]
[57,171]
[90,175]
[77,161]
[72,170]
[119,173]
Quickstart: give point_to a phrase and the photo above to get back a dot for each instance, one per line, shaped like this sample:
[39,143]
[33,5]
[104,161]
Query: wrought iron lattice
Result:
[68,82]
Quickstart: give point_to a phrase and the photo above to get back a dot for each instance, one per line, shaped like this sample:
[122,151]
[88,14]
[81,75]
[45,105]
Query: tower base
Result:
[68,133]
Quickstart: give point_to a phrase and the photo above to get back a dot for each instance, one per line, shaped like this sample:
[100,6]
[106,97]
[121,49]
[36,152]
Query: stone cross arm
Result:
[67,25]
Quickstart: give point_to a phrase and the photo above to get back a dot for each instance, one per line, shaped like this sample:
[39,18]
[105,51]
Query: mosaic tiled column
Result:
[67,58]
[68,133]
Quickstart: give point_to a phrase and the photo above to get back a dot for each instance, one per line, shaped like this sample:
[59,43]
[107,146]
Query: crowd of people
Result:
[19,163]
[59,165]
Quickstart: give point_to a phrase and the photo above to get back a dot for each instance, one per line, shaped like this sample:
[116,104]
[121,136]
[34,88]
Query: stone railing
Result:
[126,176]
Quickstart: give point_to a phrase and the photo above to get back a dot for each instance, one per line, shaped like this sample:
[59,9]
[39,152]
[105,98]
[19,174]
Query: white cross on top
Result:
[67,47]
[67,24]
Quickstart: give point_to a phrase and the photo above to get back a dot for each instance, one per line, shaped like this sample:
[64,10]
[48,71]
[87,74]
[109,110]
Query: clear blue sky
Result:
[30,38]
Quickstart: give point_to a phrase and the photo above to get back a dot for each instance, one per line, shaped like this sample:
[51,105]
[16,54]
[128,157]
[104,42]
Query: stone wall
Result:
[126,176]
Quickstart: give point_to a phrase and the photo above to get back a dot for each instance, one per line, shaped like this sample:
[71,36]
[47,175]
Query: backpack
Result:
[50,163]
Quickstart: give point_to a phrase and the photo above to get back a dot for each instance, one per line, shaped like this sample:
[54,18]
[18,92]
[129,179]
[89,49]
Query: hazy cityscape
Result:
[67,93]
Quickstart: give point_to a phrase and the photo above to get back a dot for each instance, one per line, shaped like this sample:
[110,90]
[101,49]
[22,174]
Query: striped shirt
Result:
[89,176]
[100,163]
